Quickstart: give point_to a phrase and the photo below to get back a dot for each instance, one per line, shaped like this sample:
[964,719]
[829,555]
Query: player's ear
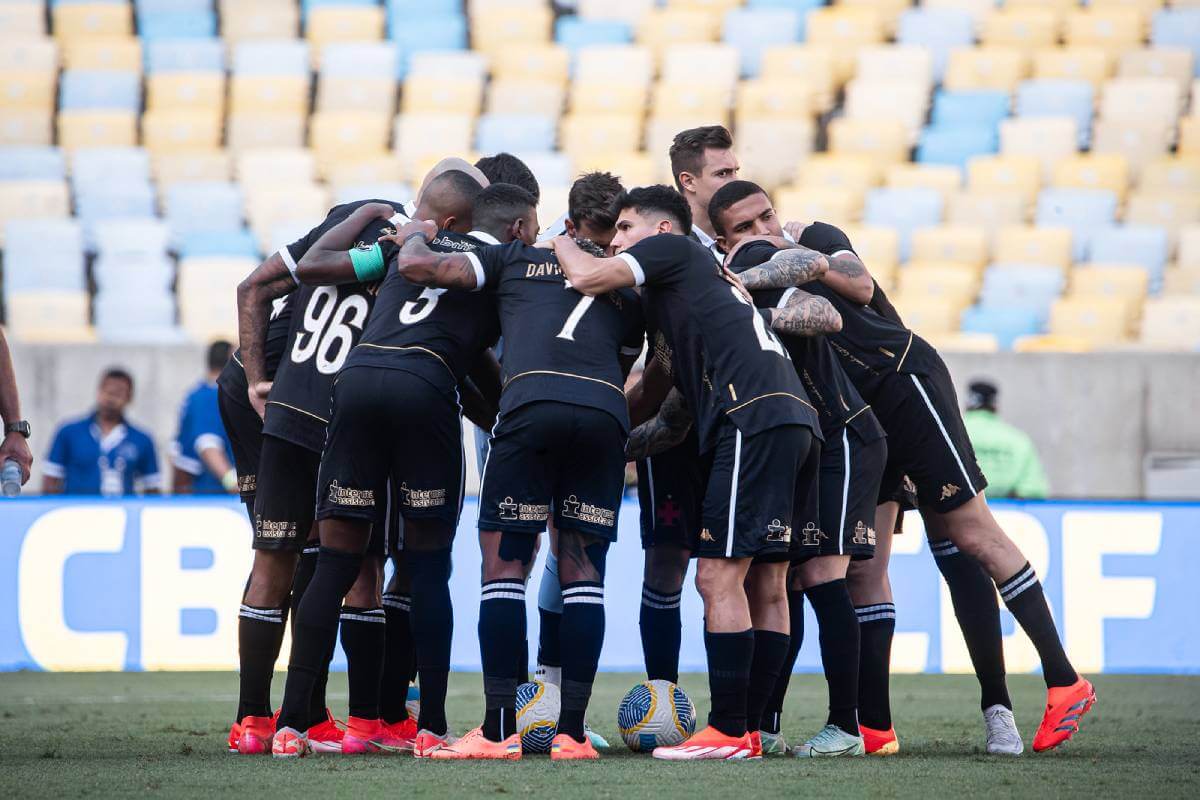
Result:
[570,228]
[664,225]
[721,243]
[688,181]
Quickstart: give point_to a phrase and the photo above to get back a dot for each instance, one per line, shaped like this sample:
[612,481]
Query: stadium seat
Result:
[549,63]
[1188,244]
[1007,324]
[103,54]
[132,237]
[811,65]
[1181,281]
[29,264]
[31,163]
[1093,171]
[1141,98]
[1025,244]
[27,127]
[752,30]
[1125,283]
[525,97]
[940,177]
[1058,98]
[205,283]
[1091,64]
[33,54]
[879,248]
[447,65]
[174,130]
[328,24]
[770,148]
[272,57]
[247,21]
[48,315]
[711,65]
[581,134]
[846,30]
[661,27]
[905,210]
[995,68]
[204,165]
[1177,27]
[774,98]
[956,144]
[1172,63]
[903,100]
[927,316]
[378,168]
[32,199]
[361,60]
[1052,343]
[986,207]
[948,282]
[250,130]
[1048,139]
[1171,323]
[199,23]
[827,170]
[961,244]
[348,134]
[22,20]
[416,137]
[969,108]
[1138,140]
[1081,210]
[1013,173]
[1007,285]
[633,168]
[107,90]
[939,30]
[1171,174]
[273,166]
[895,63]
[267,206]
[500,28]
[1023,27]
[269,94]
[87,20]
[32,91]
[574,33]
[832,203]
[511,132]
[109,165]
[361,94]
[886,140]
[150,318]
[1117,28]
[186,90]
[185,55]
[1168,210]
[206,243]
[1101,321]
[597,97]
[427,95]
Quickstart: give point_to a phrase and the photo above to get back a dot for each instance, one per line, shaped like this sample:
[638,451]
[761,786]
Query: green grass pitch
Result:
[163,734]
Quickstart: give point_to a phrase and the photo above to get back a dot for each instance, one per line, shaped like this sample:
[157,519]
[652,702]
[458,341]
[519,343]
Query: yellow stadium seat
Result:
[1092,64]
[895,63]
[1113,28]
[626,10]
[846,30]
[196,91]
[249,130]
[886,140]
[27,90]
[1174,63]
[377,168]
[267,206]
[714,65]
[976,9]
[906,101]
[1101,321]
[835,205]
[964,342]
[1170,210]
[526,97]
[809,64]
[1051,343]
[1026,244]
[1000,68]
[1189,136]
[431,134]
[947,281]
[1146,7]
[1141,98]
[770,149]
[1138,140]
[662,27]
[690,99]
[1048,139]
[209,165]
[986,207]
[48,315]
[1127,283]
[203,288]
[1172,323]
[964,244]
[32,199]
[877,247]
[719,6]
[26,54]
[88,20]
[596,97]
[827,170]
[1094,171]
[889,11]
[427,95]
[549,63]
[272,166]
[349,133]
[97,129]
[493,30]
[262,94]
[1189,246]
[327,24]
[942,177]
[259,20]
[1015,173]
[776,98]
[633,168]
[376,94]
[925,315]
[27,126]
[21,20]
[581,134]
[1181,281]
[181,129]
[628,64]
[103,52]
[1026,28]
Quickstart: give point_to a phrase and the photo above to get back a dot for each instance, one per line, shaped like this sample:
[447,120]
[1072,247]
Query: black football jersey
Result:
[326,323]
[727,362]
[232,379]
[558,344]
[436,333]
[831,391]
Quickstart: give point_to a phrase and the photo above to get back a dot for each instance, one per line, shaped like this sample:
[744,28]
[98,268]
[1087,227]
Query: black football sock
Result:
[837,631]
[772,714]
[582,637]
[398,667]
[770,652]
[317,703]
[1024,597]
[501,637]
[433,628]
[314,632]
[659,621]
[729,658]
[305,567]
[260,635]
[364,637]
[876,628]
[550,611]
[978,612]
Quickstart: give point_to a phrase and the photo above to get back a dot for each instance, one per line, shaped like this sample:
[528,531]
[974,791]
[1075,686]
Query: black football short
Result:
[243,426]
[927,440]
[389,422]
[839,517]
[670,492]
[284,507]
[554,456]
[755,484]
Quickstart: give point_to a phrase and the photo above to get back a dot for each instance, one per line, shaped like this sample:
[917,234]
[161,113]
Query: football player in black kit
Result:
[737,381]
[557,447]
[911,391]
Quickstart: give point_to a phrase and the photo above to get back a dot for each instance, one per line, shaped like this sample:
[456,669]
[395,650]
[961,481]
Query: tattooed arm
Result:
[429,268]
[328,260]
[662,432]
[787,268]
[270,280]
[804,314]
[848,276]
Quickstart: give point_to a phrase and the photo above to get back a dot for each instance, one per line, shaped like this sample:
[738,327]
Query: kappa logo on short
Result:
[422,498]
[271,529]
[706,536]
[863,534]
[574,508]
[812,535]
[512,511]
[949,490]
[909,486]
[344,496]
[778,532]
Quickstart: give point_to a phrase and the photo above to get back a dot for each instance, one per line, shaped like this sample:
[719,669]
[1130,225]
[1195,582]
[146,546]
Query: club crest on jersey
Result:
[949,490]
[345,496]
[511,511]
[668,512]
[863,534]
[422,498]
[574,508]
[778,532]
[272,529]
[811,535]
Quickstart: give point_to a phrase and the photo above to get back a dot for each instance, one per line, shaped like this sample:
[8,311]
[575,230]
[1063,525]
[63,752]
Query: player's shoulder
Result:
[450,242]
[751,255]
[825,238]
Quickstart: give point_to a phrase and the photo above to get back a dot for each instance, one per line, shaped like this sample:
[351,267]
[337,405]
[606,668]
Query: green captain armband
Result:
[368,262]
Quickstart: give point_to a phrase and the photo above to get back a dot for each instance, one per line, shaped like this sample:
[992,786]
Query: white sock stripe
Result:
[584,598]
[308,550]
[661,606]
[1016,590]
[942,548]
[876,616]
[1020,577]
[875,607]
[504,585]
[650,594]
[590,588]
[272,612]
[355,617]
[945,435]
[404,604]
[260,617]
[502,596]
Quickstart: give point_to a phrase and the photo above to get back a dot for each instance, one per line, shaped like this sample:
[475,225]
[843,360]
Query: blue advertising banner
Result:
[155,584]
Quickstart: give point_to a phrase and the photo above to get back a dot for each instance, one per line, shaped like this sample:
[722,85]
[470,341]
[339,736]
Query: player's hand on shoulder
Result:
[381,210]
[775,240]
[736,283]
[422,226]
[795,229]
[257,395]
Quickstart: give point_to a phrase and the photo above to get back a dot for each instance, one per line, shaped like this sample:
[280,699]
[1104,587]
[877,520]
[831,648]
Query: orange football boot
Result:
[709,744]
[428,741]
[1065,705]
[400,737]
[756,744]
[565,748]
[326,736]
[289,743]
[235,733]
[475,745]
[257,733]
[879,743]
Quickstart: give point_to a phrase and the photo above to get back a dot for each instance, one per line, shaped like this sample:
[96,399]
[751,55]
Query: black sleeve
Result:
[882,306]
[825,238]
[489,264]
[658,259]
[769,298]
[752,255]
[635,324]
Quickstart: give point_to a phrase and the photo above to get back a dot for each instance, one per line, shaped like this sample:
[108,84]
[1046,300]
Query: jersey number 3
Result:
[414,311]
[329,328]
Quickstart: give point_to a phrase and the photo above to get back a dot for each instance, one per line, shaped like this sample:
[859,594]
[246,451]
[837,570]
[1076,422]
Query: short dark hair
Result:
[591,199]
[659,198]
[687,150]
[507,168]
[117,374]
[218,354]
[727,195]
[499,204]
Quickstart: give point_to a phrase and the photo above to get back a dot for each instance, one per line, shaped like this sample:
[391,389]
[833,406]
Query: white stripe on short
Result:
[733,491]
[841,531]
[945,435]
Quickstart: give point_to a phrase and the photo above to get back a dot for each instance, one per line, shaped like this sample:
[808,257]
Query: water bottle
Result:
[10,478]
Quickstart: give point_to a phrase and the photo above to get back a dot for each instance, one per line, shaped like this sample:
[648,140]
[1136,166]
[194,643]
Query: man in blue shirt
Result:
[201,452]
[102,453]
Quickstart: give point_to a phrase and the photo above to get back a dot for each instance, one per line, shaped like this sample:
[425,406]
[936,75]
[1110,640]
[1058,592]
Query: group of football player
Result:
[783,420]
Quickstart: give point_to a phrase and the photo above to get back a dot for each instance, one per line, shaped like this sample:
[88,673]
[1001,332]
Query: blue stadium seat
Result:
[95,165]
[279,57]
[176,24]
[969,107]
[204,206]
[1021,286]
[1006,323]
[419,7]
[447,32]
[132,236]
[955,144]
[904,210]
[1145,245]
[1178,27]
[170,6]
[753,30]
[30,264]
[1081,210]
[940,30]
[31,163]
[96,203]
[802,6]
[185,55]
[205,244]
[1058,98]
[147,316]
[96,89]
[508,132]
[573,32]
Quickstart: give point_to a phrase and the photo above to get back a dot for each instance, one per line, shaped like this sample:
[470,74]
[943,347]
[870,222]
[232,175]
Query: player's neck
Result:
[700,220]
